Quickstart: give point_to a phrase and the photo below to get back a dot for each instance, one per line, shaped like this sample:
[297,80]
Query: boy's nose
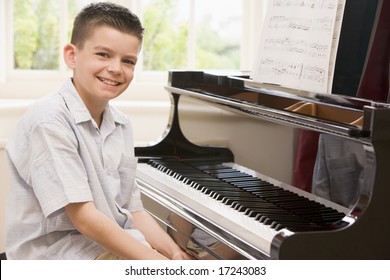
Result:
[114,66]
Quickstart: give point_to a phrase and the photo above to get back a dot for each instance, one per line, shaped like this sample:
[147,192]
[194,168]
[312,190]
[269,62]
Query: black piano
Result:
[253,171]
[241,201]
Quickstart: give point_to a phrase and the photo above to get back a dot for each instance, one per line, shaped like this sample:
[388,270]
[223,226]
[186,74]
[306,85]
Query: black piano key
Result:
[242,207]
[241,204]
[233,176]
[233,200]
[227,194]
[278,226]
[254,186]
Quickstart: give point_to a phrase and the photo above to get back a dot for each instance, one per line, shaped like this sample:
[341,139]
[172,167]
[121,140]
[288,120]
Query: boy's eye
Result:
[129,61]
[102,54]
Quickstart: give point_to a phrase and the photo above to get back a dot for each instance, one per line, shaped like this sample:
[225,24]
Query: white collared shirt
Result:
[57,156]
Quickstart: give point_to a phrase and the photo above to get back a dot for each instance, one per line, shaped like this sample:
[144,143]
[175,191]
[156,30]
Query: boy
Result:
[72,193]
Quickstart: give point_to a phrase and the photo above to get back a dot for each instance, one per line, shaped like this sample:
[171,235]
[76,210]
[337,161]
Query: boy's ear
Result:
[70,55]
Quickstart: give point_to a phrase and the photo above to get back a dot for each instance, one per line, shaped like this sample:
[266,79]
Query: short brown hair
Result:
[104,14]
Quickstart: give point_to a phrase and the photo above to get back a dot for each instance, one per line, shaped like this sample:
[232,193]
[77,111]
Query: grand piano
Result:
[218,206]
[228,179]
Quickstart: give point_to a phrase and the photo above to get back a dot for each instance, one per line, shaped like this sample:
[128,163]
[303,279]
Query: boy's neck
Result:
[95,109]
[98,119]
[94,105]
[97,113]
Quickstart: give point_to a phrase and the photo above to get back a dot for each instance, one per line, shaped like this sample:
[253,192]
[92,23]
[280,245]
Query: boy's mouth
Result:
[109,82]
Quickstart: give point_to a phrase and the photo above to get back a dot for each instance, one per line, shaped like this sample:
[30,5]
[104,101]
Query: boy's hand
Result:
[181,255]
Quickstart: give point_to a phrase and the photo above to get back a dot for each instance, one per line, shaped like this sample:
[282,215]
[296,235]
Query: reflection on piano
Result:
[219,203]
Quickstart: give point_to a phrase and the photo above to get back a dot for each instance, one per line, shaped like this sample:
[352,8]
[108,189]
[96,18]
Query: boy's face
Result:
[104,67]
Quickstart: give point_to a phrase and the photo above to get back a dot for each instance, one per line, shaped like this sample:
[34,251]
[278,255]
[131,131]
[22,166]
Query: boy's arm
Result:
[157,237]
[92,223]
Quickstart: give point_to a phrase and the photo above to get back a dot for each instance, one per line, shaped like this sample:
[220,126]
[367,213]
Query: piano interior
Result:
[244,171]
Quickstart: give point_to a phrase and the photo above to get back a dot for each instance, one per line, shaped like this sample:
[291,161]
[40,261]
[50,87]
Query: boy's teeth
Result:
[109,82]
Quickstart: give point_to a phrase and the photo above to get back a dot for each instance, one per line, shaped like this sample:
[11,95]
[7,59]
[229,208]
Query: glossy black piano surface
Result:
[300,175]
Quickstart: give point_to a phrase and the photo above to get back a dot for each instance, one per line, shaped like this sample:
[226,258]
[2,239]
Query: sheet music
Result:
[299,44]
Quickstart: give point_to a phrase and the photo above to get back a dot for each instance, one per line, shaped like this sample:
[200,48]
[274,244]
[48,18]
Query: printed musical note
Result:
[311,4]
[329,4]
[318,50]
[294,3]
[281,68]
[314,74]
[286,45]
[283,22]
[324,24]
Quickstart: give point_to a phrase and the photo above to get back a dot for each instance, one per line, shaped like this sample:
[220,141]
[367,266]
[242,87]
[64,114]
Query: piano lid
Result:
[335,114]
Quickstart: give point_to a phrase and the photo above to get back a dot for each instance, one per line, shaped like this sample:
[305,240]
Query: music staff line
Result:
[310,49]
[296,71]
[311,4]
[323,24]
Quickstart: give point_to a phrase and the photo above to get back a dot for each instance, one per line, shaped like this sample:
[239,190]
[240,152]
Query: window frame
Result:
[2,39]
[150,83]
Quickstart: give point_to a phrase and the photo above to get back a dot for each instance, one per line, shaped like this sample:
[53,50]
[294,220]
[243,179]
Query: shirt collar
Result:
[80,112]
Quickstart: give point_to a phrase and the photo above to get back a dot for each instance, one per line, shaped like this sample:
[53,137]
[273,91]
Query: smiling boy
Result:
[71,157]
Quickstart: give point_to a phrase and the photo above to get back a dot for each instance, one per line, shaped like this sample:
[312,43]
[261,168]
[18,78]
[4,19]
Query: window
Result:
[2,42]
[180,34]
[218,27]
[36,27]
[39,28]
[192,34]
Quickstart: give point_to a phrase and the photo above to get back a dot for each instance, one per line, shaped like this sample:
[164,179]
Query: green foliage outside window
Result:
[165,43]
[36,34]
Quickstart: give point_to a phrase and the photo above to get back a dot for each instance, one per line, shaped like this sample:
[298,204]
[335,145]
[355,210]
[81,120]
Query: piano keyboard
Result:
[235,197]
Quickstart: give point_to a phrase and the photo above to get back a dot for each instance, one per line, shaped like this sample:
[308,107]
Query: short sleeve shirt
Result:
[57,155]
